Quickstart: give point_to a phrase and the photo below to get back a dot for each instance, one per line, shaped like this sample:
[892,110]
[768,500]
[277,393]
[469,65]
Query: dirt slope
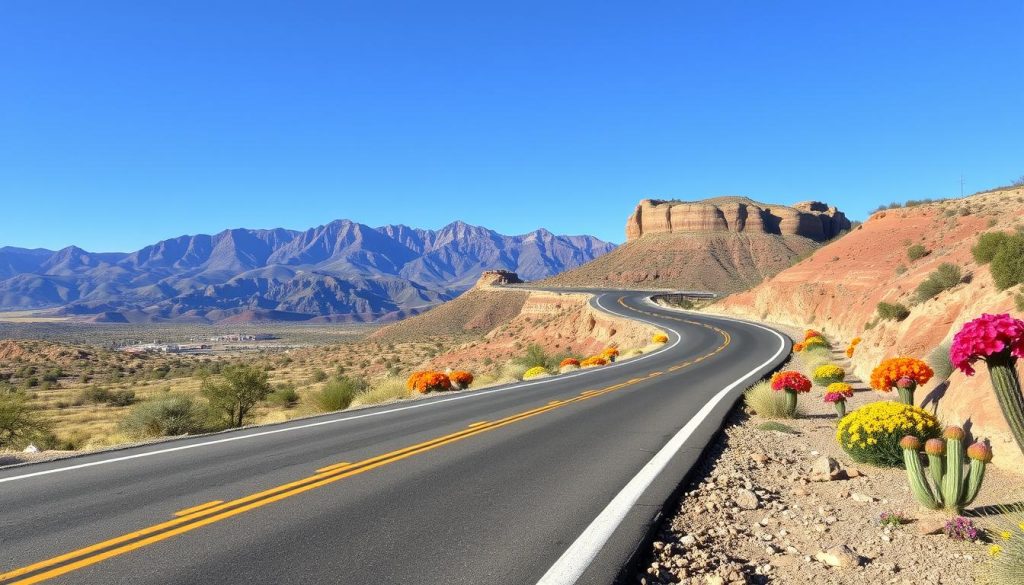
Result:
[837,289]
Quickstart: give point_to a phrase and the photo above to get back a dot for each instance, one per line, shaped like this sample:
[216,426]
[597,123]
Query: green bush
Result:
[236,392]
[284,395]
[1008,263]
[339,393]
[535,356]
[987,245]
[121,398]
[943,278]
[916,252]
[777,427]
[892,311]
[20,422]
[318,376]
[167,416]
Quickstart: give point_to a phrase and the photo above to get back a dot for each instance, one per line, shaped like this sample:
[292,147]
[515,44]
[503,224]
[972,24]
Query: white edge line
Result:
[287,429]
[578,557]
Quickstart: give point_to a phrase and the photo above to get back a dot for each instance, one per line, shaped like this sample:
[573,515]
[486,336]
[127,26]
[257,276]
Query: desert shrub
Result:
[461,379]
[534,356]
[1005,564]
[535,372]
[892,311]
[1008,263]
[569,362]
[284,396]
[101,395]
[815,341]
[428,381]
[916,252]
[318,376]
[568,368]
[943,278]
[385,390]
[901,269]
[871,434]
[237,391]
[168,415]
[20,422]
[988,244]
[338,393]
[765,402]
[938,360]
[1018,300]
[121,398]
[816,352]
[513,371]
[828,374]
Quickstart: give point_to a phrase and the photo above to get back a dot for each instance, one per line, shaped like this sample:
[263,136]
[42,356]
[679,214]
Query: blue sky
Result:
[122,123]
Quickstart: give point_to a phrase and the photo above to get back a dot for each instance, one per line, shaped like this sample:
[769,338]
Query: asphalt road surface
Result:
[552,481]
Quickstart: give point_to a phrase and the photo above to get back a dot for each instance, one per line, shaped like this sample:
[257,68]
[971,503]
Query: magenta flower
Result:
[987,336]
[833,397]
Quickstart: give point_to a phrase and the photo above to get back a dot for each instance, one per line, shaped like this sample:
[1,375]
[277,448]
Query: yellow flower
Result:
[994,550]
[1005,535]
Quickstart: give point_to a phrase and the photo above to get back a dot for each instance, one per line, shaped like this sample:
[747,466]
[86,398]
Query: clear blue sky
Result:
[122,123]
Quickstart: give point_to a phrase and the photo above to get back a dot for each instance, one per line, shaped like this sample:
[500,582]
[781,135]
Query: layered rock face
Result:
[812,220]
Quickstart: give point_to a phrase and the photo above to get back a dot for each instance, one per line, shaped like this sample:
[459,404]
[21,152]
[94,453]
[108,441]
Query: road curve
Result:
[553,481]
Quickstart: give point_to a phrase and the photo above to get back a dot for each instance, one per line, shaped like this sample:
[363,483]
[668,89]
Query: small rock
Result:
[746,499]
[759,458]
[862,498]
[926,526]
[825,468]
[31,448]
[839,556]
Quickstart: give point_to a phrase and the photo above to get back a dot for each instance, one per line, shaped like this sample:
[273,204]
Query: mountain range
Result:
[341,271]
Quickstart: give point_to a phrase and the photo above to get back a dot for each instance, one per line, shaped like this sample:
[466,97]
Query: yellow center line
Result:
[215,511]
[333,467]
[198,508]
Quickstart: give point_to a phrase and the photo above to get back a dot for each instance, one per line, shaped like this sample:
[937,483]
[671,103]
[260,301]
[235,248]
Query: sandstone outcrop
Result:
[812,220]
[837,290]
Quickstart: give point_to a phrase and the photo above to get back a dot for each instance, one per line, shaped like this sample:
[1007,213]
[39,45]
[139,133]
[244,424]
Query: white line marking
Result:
[421,404]
[574,561]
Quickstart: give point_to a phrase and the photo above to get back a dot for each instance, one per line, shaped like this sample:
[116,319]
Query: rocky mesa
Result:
[812,220]
[723,244]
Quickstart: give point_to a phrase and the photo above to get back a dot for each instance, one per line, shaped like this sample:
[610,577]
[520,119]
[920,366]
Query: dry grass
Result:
[1005,565]
[383,391]
[766,402]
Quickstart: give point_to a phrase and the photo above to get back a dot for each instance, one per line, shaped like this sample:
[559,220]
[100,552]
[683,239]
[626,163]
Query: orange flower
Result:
[885,375]
[798,347]
[610,352]
[849,352]
[424,382]
[593,361]
[569,362]
[462,378]
[811,333]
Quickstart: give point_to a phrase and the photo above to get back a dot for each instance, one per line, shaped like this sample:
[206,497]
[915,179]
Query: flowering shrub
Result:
[852,347]
[1006,565]
[903,373]
[659,338]
[836,395]
[998,340]
[569,362]
[792,383]
[428,381]
[534,372]
[872,433]
[610,352]
[461,378]
[798,347]
[828,374]
[961,528]
[849,351]
[811,333]
[816,341]
[594,361]
[855,341]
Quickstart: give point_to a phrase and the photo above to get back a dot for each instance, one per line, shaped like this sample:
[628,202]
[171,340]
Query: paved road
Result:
[554,481]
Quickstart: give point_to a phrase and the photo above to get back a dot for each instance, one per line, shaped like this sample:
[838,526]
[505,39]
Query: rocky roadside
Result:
[767,506]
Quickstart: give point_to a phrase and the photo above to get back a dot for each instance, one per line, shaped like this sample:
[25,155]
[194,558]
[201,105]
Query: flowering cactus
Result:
[836,394]
[952,490]
[659,338]
[792,383]
[903,373]
[828,374]
[998,340]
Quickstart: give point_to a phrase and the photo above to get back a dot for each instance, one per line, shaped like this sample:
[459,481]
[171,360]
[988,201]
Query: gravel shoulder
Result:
[757,509]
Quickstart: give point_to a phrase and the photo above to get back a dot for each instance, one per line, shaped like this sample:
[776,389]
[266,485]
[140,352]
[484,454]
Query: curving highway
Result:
[553,481]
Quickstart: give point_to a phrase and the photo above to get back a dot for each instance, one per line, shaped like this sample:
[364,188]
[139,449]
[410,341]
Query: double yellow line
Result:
[197,516]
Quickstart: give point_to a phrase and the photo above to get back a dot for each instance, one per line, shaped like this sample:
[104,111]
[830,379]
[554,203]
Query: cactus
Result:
[946,468]
[953,479]
[905,387]
[840,406]
[918,483]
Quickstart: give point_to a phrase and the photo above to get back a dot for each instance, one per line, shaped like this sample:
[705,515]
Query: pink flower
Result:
[985,337]
[832,397]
